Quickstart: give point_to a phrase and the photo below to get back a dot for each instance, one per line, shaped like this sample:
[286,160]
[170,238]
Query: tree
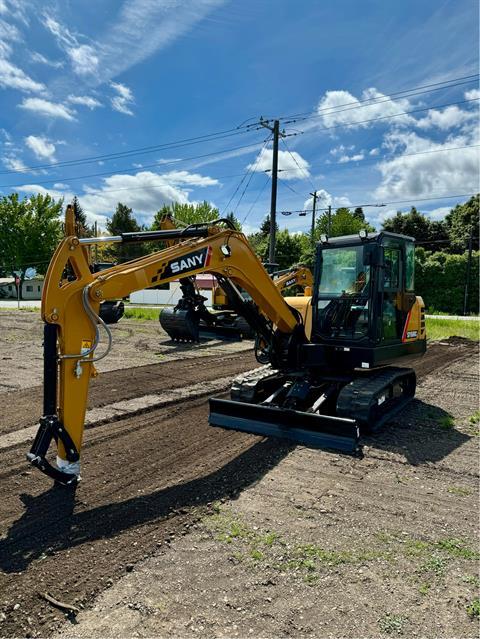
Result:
[461,221]
[288,247]
[432,235]
[359,214]
[82,228]
[123,221]
[187,213]
[30,230]
[343,222]
[234,220]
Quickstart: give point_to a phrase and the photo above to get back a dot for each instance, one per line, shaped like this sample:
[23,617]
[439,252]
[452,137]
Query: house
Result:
[31,289]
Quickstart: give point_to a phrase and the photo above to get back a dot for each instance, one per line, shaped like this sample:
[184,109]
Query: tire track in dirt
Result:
[23,408]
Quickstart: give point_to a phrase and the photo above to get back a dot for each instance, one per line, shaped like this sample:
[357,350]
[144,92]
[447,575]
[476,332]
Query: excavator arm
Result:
[295,276]
[70,310]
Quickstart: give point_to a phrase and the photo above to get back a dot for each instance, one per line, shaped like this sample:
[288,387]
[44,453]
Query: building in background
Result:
[170,293]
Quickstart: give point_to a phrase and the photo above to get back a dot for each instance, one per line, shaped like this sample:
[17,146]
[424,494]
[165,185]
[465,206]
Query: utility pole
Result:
[329,220]
[275,129]
[314,195]
[467,275]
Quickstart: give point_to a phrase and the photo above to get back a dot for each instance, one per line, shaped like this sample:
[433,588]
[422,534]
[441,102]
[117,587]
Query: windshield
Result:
[343,272]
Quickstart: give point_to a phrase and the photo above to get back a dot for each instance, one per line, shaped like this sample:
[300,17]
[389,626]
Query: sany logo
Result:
[187,264]
[290,282]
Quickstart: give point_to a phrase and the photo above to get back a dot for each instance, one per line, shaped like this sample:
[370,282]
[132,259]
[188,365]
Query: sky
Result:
[148,102]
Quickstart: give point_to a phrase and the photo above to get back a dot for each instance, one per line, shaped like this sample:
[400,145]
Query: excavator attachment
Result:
[187,326]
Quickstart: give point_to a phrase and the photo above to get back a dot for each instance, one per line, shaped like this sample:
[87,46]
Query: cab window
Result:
[409,266]
[392,269]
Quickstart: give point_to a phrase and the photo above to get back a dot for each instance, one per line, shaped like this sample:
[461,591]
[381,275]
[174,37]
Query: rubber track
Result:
[356,399]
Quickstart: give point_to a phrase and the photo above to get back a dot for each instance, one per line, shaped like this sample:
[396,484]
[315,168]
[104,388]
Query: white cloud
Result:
[12,77]
[351,158]
[145,192]
[449,118]
[84,59]
[41,147]
[13,163]
[47,108]
[438,214]
[41,59]
[132,39]
[428,174]
[341,149]
[293,168]
[123,100]
[338,108]
[85,100]
[473,94]
[374,151]
[324,198]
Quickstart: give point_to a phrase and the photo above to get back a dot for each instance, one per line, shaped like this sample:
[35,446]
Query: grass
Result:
[459,490]
[446,422]
[438,329]
[474,419]
[393,624]
[473,609]
[142,313]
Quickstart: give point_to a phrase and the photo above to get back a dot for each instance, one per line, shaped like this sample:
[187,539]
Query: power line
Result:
[251,169]
[307,175]
[126,171]
[399,94]
[133,152]
[288,186]
[414,199]
[388,117]
[243,128]
[259,194]
[389,158]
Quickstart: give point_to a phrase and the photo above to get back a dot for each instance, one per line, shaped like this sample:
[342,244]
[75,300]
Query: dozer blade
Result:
[309,429]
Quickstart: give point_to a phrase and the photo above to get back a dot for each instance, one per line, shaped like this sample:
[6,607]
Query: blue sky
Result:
[79,80]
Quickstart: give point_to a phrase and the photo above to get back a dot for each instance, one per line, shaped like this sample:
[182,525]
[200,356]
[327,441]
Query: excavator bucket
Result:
[310,429]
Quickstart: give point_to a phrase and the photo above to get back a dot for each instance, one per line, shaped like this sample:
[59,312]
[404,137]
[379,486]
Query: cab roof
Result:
[356,240]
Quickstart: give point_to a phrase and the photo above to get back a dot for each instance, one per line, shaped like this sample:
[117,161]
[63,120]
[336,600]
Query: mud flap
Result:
[309,429]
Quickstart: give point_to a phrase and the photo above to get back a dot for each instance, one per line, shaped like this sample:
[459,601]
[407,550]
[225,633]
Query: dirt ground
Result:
[180,529]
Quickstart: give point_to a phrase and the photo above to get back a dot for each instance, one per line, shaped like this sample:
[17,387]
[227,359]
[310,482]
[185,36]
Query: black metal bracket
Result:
[52,428]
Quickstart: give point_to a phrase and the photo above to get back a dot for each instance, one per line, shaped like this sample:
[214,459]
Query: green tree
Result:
[30,229]
[234,220]
[431,235]
[462,220]
[343,222]
[123,221]
[440,280]
[82,228]
[288,247]
[187,213]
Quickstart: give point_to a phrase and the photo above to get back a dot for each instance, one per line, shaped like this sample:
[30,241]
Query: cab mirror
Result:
[373,255]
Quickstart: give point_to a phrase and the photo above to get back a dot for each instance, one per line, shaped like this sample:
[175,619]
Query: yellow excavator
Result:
[190,319]
[330,376]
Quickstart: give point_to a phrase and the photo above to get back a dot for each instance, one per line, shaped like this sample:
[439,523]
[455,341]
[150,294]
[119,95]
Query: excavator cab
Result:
[364,309]
[364,288]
